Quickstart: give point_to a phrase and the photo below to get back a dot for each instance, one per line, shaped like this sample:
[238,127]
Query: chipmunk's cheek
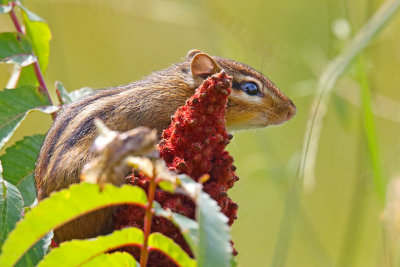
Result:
[238,120]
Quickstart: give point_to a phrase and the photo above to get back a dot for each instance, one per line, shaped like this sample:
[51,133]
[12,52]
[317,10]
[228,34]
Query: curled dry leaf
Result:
[112,148]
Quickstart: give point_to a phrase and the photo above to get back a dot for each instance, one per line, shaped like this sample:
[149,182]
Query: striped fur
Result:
[149,102]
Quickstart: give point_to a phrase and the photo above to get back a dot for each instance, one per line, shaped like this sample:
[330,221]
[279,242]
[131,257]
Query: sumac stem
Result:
[144,253]
[38,71]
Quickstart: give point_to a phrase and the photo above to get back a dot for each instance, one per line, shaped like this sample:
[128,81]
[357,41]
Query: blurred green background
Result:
[99,43]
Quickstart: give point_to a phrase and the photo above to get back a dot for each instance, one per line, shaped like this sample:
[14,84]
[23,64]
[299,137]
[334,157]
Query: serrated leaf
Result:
[11,205]
[214,240]
[70,97]
[84,250]
[15,48]
[214,248]
[19,165]
[170,248]
[113,259]
[15,105]
[65,205]
[80,93]
[65,98]
[189,228]
[36,253]
[38,33]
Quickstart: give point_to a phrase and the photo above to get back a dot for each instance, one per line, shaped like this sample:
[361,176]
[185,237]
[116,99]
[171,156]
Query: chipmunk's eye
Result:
[250,88]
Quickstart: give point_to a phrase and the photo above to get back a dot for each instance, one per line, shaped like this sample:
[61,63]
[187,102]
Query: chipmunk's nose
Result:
[291,111]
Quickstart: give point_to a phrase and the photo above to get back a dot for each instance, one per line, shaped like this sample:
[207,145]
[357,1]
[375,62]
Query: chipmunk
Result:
[254,102]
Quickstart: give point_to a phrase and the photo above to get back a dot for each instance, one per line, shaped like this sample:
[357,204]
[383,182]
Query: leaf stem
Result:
[36,67]
[15,20]
[144,253]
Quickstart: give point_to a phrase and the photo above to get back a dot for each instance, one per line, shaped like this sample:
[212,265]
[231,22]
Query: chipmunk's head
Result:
[255,101]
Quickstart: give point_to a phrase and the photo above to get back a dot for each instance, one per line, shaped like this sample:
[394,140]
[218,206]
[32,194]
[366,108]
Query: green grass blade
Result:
[329,78]
[370,132]
[315,122]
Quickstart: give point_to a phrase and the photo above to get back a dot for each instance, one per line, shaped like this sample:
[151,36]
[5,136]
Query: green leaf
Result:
[6,2]
[15,48]
[30,15]
[39,35]
[68,98]
[36,253]
[26,76]
[214,248]
[63,93]
[170,248]
[15,105]
[38,32]
[189,228]
[85,250]
[62,207]
[80,93]
[11,205]
[22,76]
[233,262]
[112,259]
[19,165]
[5,7]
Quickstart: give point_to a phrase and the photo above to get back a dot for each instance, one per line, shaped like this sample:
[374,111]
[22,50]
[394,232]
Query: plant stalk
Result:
[144,253]
[36,67]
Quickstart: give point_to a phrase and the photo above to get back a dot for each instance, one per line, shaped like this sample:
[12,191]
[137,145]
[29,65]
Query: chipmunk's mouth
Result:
[291,111]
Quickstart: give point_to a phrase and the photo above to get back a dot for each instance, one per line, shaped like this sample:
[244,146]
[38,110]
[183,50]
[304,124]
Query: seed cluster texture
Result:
[194,144]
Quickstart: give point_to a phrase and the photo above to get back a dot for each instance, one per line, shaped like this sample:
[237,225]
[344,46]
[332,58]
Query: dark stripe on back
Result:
[66,118]
[81,131]
[85,128]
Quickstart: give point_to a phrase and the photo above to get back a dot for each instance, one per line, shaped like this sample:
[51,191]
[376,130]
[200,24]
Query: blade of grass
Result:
[318,111]
[358,205]
[370,132]
[329,78]
[312,242]
[373,150]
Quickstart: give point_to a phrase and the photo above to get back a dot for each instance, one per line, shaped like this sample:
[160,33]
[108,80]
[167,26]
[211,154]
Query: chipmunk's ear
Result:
[192,53]
[203,65]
